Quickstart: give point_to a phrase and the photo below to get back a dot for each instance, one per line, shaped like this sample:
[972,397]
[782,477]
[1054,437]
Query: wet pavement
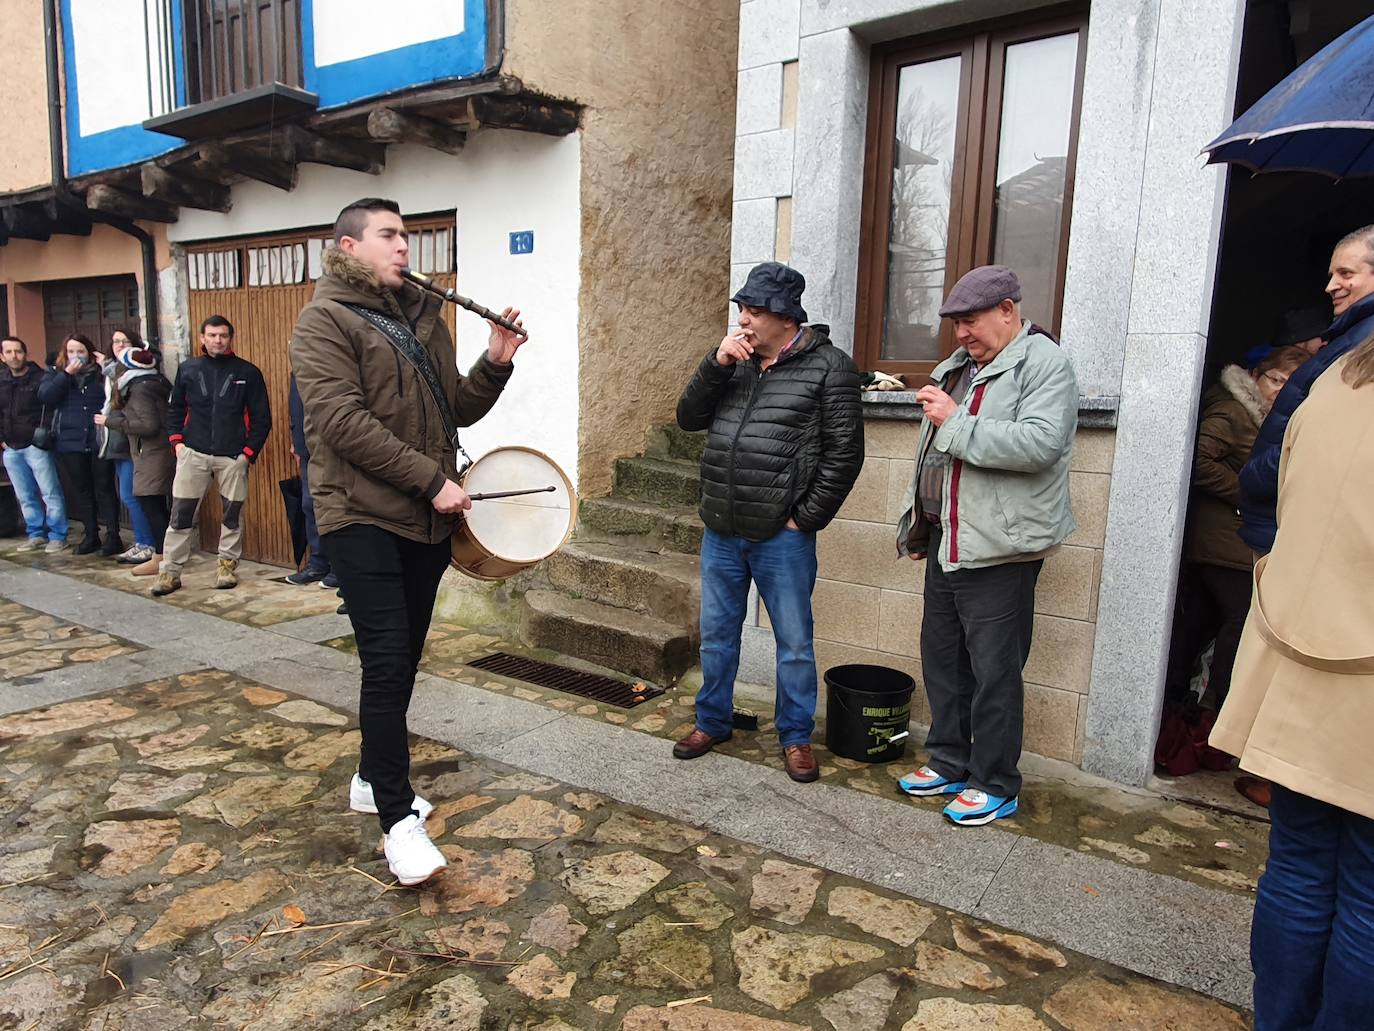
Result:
[1205,844]
[180,854]
[172,850]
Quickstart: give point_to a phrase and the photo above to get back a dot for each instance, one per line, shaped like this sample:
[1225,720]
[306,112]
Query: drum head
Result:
[523,529]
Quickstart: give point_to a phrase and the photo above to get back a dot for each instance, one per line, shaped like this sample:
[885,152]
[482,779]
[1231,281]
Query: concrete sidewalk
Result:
[1157,925]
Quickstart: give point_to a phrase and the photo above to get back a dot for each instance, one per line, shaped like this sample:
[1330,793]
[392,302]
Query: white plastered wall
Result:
[502,182]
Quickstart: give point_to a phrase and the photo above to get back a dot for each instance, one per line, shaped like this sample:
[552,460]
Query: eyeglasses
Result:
[1276,379]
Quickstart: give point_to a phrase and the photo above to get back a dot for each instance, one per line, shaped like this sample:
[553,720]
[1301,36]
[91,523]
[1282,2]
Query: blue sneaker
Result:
[973,808]
[926,781]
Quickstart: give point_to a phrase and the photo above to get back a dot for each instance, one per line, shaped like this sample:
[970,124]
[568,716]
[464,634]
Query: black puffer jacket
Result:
[786,443]
[21,412]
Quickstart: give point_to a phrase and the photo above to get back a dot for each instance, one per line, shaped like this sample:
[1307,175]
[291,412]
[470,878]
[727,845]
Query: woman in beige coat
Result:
[1301,713]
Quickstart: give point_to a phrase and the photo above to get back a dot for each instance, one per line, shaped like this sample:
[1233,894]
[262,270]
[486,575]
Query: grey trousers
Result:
[975,639]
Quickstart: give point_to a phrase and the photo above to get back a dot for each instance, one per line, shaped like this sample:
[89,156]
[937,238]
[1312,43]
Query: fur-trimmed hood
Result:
[1242,386]
[355,282]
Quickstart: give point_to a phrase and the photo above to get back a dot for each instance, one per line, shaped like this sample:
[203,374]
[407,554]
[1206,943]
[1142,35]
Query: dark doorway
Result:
[1277,234]
[95,307]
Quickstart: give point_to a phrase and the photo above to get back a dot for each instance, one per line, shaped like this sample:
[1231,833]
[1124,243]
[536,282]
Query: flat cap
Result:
[984,287]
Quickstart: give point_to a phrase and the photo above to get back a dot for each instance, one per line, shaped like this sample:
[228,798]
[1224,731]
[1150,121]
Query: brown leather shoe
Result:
[801,764]
[696,744]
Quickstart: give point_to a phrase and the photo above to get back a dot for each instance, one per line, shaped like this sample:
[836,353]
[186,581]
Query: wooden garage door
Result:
[260,285]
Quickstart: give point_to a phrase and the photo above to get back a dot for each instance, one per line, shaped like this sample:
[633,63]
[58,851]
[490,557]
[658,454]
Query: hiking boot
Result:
[801,763]
[696,744]
[166,584]
[33,544]
[306,576]
[136,555]
[410,854]
[974,808]
[227,575]
[926,781]
[113,546]
[89,545]
[55,547]
[148,568]
[360,799]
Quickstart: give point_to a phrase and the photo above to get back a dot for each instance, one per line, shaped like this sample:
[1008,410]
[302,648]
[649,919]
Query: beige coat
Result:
[1301,707]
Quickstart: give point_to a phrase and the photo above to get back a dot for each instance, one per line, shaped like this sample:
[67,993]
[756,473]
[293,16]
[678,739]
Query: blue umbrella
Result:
[1319,119]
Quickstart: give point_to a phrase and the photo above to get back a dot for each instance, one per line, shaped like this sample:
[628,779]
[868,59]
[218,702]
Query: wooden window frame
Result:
[982,48]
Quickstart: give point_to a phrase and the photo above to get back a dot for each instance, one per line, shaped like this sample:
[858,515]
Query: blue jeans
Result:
[143,532]
[318,561]
[784,567]
[33,474]
[1312,940]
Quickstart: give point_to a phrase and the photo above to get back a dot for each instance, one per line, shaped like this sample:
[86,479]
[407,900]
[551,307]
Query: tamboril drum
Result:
[500,537]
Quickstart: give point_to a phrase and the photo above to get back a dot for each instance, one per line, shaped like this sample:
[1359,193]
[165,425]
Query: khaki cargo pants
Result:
[194,473]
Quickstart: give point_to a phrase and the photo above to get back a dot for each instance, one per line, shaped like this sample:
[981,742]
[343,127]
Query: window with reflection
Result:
[969,161]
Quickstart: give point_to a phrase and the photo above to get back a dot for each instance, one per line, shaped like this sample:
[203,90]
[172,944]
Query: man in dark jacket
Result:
[1351,288]
[317,568]
[372,358]
[784,446]
[218,419]
[33,472]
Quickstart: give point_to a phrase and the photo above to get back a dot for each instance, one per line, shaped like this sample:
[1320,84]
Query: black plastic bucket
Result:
[867,712]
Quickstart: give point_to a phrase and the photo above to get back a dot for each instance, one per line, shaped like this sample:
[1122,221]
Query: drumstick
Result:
[510,493]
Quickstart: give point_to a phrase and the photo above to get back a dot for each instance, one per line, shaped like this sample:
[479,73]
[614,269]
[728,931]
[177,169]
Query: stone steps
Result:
[671,442]
[630,642]
[641,523]
[663,585]
[668,481]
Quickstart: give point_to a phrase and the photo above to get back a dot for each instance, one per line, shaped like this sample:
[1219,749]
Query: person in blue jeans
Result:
[32,470]
[784,445]
[1300,710]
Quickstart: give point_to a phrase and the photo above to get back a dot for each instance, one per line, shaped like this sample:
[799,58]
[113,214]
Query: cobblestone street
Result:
[177,851]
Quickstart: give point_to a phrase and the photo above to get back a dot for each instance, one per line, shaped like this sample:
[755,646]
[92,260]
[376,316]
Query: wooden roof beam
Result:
[128,205]
[387,125]
[299,144]
[162,185]
[250,163]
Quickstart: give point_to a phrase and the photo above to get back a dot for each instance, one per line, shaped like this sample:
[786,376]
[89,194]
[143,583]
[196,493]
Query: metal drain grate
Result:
[561,678]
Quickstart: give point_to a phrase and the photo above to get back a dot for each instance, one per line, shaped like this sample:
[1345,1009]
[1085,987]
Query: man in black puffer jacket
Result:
[218,419]
[784,445]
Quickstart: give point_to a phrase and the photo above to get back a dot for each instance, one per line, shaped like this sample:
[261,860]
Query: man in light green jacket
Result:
[988,502]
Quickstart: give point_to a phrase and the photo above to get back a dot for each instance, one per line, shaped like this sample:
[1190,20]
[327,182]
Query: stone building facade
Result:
[1156,81]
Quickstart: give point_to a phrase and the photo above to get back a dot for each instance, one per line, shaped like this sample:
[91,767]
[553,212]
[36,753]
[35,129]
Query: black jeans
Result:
[1230,592]
[389,585]
[93,492]
[975,639]
[157,510]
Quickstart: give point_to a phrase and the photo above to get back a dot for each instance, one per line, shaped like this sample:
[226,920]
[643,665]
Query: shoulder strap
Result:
[398,334]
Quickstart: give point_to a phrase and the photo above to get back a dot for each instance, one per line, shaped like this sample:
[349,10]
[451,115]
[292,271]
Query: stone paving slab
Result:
[1208,845]
[484,721]
[259,600]
[179,854]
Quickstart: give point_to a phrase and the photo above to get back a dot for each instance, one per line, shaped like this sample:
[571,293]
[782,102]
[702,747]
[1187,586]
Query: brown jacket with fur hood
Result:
[1231,417]
[378,451]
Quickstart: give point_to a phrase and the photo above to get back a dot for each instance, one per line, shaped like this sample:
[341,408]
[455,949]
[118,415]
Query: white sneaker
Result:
[33,544]
[410,854]
[360,799]
[56,547]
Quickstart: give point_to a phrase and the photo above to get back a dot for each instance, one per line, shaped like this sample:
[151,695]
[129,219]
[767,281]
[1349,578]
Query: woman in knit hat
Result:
[140,411]
[115,447]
